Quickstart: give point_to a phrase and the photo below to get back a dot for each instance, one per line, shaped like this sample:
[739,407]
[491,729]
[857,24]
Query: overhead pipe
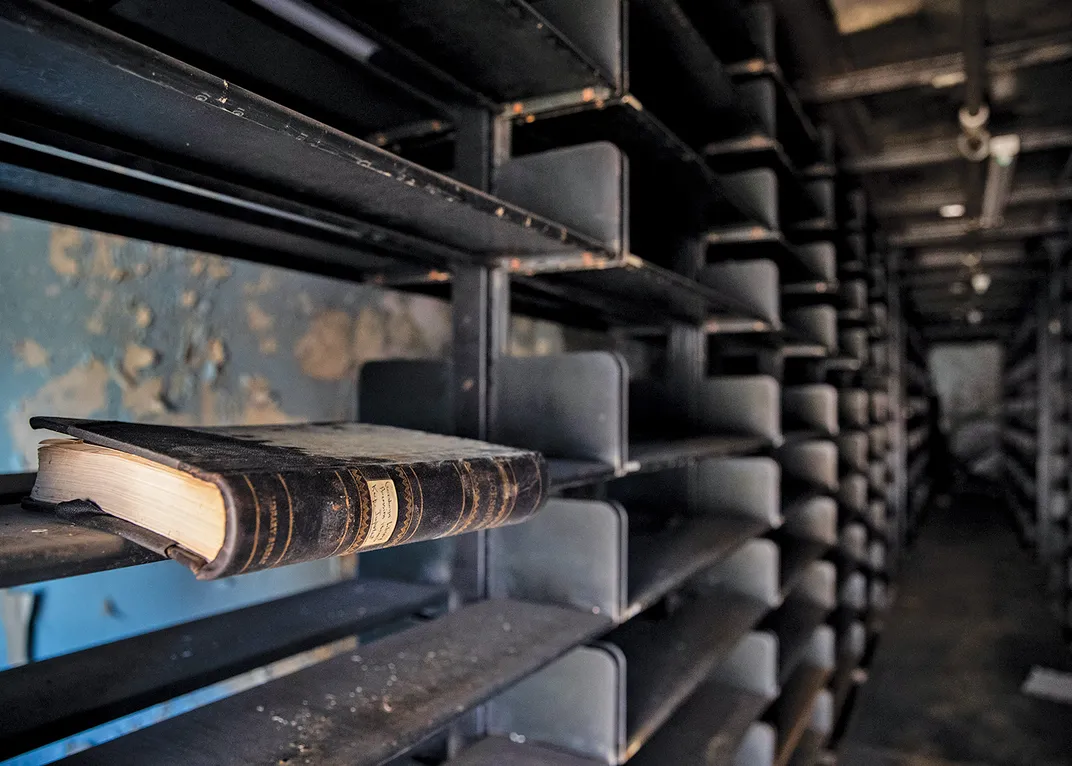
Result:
[974,141]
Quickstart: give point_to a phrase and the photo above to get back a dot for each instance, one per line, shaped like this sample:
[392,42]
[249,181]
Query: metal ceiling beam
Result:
[945,301]
[939,332]
[988,256]
[945,276]
[936,72]
[939,233]
[945,150]
[990,309]
[928,202]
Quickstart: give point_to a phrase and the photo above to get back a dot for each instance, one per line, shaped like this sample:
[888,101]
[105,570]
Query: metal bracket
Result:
[589,682]
[810,408]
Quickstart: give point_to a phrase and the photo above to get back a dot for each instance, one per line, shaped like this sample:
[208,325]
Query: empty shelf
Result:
[496,751]
[565,474]
[636,290]
[794,623]
[708,728]
[793,709]
[795,129]
[751,241]
[668,177]
[407,686]
[56,698]
[796,554]
[667,660]
[503,50]
[655,456]
[204,163]
[661,561]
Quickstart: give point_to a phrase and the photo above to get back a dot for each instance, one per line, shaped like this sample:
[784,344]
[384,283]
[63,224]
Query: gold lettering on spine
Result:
[493,491]
[256,523]
[290,513]
[273,529]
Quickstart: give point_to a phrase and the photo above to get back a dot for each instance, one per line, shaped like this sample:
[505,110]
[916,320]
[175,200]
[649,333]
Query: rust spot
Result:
[500,212]
[588,94]
[31,353]
[759,326]
[530,118]
[515,264]
[518,107]
[757,232]
[467,384]
[438,276]
[143,316]
[755,65]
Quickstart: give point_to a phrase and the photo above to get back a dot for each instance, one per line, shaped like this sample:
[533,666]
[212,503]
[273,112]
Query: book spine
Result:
[286,517]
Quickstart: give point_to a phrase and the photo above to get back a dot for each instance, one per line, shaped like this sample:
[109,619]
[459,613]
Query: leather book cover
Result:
[297,493]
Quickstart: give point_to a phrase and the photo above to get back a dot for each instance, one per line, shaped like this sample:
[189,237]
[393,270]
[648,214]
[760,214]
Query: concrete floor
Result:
[970,622]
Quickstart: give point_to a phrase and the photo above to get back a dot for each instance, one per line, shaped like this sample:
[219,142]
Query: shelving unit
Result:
[715,556]
[1035,432]
[918,423]
[1062,523]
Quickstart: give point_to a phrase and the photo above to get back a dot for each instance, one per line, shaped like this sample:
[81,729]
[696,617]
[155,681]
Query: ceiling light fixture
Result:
[975,316]
[954,210]
[980,282]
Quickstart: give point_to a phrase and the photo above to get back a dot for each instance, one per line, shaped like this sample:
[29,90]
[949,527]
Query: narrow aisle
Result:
[969,623]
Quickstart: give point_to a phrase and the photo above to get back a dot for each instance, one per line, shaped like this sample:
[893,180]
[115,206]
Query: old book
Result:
[237,499]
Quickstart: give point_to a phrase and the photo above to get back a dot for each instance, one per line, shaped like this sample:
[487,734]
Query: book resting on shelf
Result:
[231,500]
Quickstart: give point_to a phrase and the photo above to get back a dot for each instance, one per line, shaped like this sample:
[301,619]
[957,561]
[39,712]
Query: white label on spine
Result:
[384,511]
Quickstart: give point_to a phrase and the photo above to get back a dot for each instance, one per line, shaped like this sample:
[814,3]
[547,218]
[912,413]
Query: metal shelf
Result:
[737,242]
[504,51]
[662,561]
[670,180]
[411,684]
[794,624]
[205,163]
[708,728]
[37,546]
[78,691]
[794,709]
[667,660]
[795,130]
[735,155]
[496,751]
[658,456]
[636,291]
[715,468]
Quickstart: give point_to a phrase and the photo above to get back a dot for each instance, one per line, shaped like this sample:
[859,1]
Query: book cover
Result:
[296,493]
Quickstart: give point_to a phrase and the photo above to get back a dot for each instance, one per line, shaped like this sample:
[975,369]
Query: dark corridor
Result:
[969,623]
